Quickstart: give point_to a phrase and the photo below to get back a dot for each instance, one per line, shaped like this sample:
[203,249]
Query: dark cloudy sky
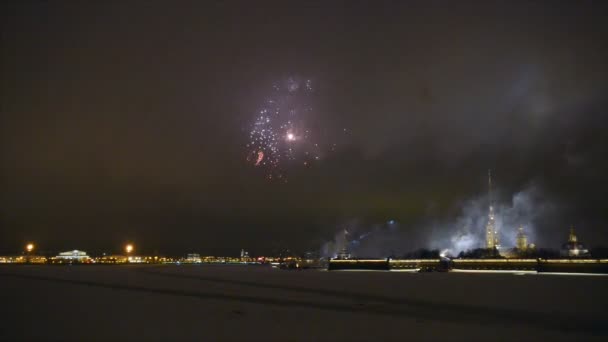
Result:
[127,120]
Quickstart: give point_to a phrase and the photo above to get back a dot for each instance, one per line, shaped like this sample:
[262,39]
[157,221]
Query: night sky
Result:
[129,120]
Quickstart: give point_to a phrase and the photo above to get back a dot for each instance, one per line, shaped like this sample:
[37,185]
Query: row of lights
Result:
[30,247]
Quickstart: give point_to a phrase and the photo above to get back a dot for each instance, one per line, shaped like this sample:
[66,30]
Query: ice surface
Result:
[256,303]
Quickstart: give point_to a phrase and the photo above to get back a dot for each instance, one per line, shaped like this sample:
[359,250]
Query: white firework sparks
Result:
[279,134]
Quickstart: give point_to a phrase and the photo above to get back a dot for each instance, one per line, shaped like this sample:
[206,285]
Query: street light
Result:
[28,248]
[128,249]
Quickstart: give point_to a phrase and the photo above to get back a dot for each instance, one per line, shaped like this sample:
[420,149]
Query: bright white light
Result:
[291,137]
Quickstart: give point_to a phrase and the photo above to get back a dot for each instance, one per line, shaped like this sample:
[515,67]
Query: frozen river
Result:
[257,303]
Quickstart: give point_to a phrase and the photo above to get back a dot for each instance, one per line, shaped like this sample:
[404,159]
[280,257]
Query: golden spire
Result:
[490,187]
[572,237]
[491,233]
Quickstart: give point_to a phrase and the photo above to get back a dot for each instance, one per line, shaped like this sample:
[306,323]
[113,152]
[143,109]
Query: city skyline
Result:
[345,247]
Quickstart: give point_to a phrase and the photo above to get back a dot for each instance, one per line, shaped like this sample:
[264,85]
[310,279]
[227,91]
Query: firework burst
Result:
[281,135]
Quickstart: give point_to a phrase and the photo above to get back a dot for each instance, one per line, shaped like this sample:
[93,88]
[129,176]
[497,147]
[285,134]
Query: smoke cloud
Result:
[366,240]
[528,208]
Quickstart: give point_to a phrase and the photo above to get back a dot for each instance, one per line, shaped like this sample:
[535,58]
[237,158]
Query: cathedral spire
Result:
[491,233]
[490,185]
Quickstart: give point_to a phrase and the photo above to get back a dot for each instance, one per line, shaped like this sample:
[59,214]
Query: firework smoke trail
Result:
[281,133]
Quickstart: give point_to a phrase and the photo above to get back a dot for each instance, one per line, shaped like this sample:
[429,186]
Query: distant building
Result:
[193,258]
[521,241]
[21,259]
[573,248]
[344,253]
[112,259]
[134,259]
[137,259]
[311,255]
[244,254]
[12,259]
[36,259]
[74,255]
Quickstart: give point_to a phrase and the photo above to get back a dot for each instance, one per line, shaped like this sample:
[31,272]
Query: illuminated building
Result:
[573,248]
[521,239]
[344,253]
[112,259]
[137,259]
[36,259]
[74,255]
[12,259]
[193,258]
[22,259]
[244,254]
[491,233]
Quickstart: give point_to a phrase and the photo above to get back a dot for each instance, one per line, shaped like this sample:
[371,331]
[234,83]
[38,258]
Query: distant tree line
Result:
[599,252]
[485,253]
[480,253]
[422,253]
[535,253]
